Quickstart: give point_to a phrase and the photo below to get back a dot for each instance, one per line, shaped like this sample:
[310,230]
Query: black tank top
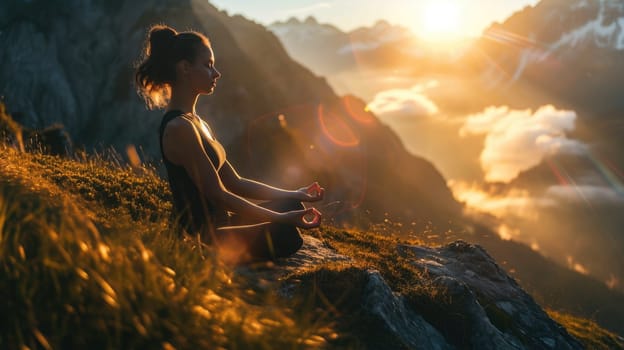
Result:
[192,211]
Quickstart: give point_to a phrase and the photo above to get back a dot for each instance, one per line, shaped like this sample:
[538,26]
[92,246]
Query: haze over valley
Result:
[523,122]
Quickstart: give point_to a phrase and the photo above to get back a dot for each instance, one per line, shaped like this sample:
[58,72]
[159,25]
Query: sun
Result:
[441,20]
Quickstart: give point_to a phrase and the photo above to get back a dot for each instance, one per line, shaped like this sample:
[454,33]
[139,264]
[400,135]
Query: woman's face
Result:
[203,75]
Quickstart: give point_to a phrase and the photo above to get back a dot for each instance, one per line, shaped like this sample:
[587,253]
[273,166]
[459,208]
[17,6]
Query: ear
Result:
[183,67]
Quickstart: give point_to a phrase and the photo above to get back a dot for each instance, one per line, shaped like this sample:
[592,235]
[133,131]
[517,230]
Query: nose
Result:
[218,74]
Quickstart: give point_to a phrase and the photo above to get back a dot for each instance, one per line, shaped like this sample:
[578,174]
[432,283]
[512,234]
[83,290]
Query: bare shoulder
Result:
[180,140]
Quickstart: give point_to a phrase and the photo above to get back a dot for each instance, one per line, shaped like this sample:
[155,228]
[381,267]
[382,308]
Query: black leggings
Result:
[242,242]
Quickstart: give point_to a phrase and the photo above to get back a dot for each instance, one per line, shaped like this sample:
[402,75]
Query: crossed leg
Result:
[241,242]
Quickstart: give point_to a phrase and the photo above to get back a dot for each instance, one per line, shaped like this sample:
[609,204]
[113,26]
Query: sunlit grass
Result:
[588,332]
[87,259]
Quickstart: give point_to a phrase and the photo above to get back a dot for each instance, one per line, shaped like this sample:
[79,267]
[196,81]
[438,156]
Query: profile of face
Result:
[201,74]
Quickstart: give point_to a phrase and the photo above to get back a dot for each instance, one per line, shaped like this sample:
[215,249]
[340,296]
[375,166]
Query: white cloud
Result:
[410,102]
[517,140]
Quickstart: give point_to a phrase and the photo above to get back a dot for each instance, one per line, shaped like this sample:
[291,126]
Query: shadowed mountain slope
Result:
[71,62]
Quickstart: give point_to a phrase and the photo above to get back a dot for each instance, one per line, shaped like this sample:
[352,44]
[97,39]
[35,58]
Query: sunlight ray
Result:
[609,172]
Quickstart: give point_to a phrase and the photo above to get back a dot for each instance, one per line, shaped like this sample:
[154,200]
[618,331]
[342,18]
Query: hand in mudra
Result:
[311,193]
[307,218]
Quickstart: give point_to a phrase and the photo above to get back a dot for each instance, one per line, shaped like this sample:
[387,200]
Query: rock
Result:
[377,299]
[475,303]
[50,140]
[495,312]
[412,330]
[312,253]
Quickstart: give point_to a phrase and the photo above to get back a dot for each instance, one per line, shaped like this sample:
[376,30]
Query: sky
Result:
[426,18]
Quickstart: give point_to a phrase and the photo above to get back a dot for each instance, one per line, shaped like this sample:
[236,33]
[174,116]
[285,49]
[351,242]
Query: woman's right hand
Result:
[300,218]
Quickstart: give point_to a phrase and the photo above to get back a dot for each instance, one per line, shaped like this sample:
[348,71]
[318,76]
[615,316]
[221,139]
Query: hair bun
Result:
[160,40]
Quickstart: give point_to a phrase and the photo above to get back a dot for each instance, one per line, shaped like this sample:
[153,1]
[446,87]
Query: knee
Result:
[295,205]
[289,244]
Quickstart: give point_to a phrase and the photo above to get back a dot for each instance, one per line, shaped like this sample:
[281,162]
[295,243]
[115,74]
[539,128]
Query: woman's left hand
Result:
[311,193]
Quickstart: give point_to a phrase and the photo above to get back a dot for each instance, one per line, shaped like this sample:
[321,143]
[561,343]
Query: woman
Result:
[209,197]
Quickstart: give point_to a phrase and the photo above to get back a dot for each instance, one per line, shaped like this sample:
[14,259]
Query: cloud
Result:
[517,140]
[516,202]
[517,205]
[404,102]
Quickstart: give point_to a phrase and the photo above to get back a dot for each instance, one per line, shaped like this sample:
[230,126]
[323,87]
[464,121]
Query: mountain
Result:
[310,42]
[568,53]
[327,50]
[279,122]
[568,50]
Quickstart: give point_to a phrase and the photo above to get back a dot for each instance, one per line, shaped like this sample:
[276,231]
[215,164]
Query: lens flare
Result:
[493,64]
[357,111]
[611,174]
[566,180]
[532,50]
[553,168]
[512,39]
[336,130]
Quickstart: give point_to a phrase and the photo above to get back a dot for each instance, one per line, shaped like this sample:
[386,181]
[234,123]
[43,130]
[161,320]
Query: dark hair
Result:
[156,72]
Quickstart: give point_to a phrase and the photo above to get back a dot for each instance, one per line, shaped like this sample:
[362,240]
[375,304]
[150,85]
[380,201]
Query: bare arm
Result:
[258,190]
[182,145]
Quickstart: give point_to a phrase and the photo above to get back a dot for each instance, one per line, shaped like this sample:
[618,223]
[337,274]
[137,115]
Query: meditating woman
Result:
[210,199]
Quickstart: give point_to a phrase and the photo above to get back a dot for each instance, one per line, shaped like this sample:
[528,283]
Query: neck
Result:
[182,100]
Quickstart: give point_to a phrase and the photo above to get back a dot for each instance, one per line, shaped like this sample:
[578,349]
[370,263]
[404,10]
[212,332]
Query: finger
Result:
[312,224]
[317,192]
[315,221]
[317,217]
[313,188]
[308,216]
[317,212]
[321,193]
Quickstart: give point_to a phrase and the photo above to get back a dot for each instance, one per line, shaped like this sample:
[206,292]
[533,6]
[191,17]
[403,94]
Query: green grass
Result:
[87,259]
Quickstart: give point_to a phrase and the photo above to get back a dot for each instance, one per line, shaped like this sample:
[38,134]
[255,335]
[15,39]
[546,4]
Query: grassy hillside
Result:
[87,260]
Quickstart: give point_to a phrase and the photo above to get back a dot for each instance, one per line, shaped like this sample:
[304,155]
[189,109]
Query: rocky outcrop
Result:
[498,313]
[52,140]
[478,305]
